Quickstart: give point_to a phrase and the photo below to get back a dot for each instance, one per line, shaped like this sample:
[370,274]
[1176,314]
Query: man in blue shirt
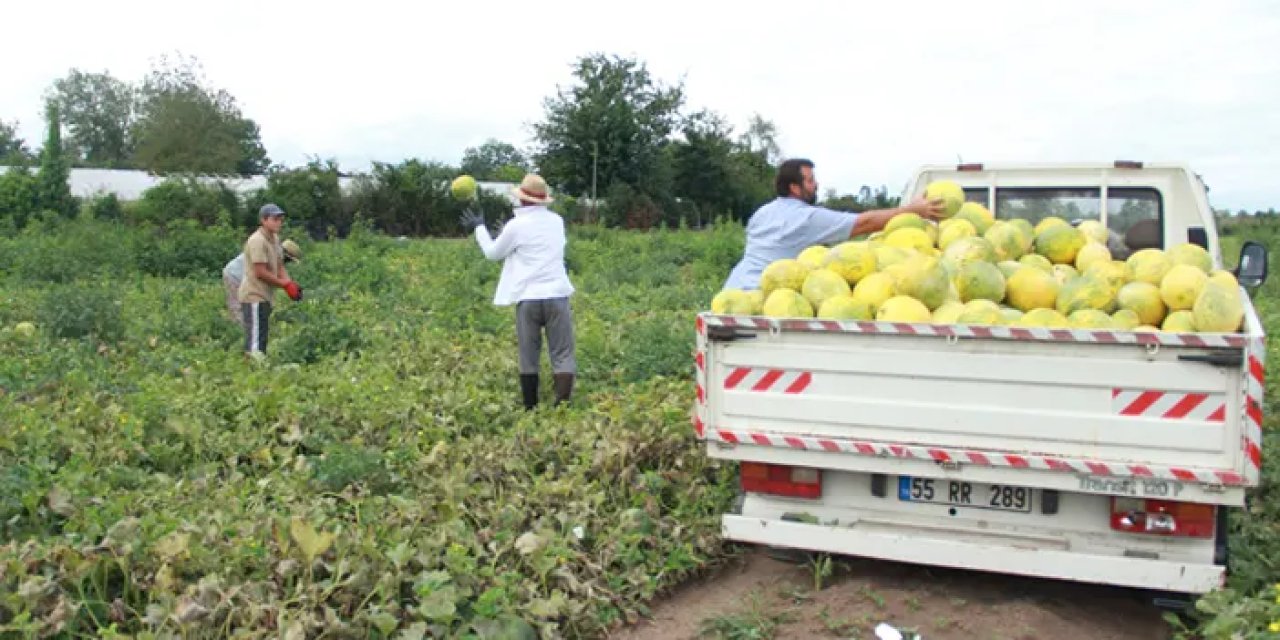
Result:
[792,222]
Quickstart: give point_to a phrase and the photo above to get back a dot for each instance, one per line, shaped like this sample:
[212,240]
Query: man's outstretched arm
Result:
[876,219]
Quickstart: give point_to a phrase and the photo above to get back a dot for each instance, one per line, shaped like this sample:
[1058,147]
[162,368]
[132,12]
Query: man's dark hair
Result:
[789,173]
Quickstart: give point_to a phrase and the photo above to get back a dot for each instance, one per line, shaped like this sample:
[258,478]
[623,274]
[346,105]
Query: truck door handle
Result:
[1217,359]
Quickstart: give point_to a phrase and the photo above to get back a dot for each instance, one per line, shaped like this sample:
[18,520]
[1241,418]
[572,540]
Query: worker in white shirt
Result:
[531,246]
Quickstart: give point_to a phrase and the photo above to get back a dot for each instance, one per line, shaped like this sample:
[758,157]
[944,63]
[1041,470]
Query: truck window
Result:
[1134,215]
[978,195]
[1036,204]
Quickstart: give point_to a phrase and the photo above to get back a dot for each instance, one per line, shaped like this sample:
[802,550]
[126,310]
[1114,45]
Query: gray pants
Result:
[555,316]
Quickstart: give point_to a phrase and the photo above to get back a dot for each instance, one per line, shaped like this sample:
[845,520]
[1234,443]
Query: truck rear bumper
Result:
[1002,555]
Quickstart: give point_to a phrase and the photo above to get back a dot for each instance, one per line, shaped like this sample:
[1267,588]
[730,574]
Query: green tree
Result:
[185,126]
[98,111]
[762,136]
[253,156]
[704,165]
[866,199]
[617,115]
[495,160]
[54,188]
[13,149]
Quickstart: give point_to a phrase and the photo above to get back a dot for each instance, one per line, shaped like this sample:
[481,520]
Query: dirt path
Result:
[757,594]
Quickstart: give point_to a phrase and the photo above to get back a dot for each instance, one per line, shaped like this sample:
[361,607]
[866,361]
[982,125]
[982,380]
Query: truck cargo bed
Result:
[1107,406]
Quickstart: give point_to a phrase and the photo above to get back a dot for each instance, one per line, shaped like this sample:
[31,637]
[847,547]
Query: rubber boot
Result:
[564,386]
[529,389]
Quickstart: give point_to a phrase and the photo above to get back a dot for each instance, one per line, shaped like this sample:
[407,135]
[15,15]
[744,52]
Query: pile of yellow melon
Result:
[974,269]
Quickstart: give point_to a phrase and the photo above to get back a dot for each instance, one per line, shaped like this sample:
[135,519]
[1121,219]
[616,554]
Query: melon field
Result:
[375,477]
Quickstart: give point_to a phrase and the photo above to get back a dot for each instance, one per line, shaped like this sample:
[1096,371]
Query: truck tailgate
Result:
[1183,407]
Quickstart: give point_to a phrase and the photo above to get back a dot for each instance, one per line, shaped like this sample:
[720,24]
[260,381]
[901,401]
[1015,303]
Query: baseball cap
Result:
[270,209]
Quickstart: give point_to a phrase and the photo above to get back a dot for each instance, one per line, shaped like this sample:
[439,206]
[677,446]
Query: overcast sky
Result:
[866,90]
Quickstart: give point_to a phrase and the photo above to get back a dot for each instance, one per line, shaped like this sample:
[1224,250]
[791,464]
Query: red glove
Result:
[294,291]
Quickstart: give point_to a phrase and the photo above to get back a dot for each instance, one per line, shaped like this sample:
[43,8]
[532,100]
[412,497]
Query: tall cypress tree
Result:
[54,188]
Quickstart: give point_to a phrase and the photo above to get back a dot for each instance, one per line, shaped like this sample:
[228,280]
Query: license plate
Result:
[958,493]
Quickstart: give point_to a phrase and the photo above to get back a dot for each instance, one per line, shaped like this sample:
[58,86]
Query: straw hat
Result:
[292,250]
[533,189]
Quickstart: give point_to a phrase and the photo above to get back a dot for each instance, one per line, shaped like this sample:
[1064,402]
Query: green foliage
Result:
[615,119]
[106,207]
[310,195]
[326,334]
[1228,614]
[345,466]
[717,175]
[90,309]
[13,149]
[53,249]
[59,251]
[413,198]
[53,191]
[401,491]
[629,208]
[866,199]
[98,111]
[179,199]
[495,160]
[185,248]
[756,622]
[18,189]
[183,125]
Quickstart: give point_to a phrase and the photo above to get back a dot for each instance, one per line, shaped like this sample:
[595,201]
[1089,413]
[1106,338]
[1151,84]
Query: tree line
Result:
[619,145]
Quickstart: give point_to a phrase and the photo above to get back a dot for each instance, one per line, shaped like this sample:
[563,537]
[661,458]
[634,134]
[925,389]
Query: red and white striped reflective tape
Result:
[1169,405]
[700,379]
[982,458]
[1254,384]
[980,331]
[762,380]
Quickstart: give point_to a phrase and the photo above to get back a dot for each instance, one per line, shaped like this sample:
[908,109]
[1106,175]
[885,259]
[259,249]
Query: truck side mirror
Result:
[1251,271]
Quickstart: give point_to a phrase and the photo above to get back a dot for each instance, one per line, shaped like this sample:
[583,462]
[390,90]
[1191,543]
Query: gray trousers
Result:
[555,316]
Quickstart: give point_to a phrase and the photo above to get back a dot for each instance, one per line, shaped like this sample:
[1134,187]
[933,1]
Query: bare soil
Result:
[760,597]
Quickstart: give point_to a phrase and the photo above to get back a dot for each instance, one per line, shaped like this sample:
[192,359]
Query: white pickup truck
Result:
[1099,456]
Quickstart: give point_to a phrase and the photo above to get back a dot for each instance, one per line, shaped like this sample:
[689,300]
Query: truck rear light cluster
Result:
[781,480]
[1163,517]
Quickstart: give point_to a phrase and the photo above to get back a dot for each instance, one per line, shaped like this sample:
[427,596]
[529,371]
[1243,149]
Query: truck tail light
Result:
[781,480]
[1163,517]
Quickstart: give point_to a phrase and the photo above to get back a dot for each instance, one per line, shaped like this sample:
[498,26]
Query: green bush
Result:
[325,334]
[18,194]
[186,199]
[186,248]
[106,207]
[53,249]
[87,309]
[310,195]
[413,199]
